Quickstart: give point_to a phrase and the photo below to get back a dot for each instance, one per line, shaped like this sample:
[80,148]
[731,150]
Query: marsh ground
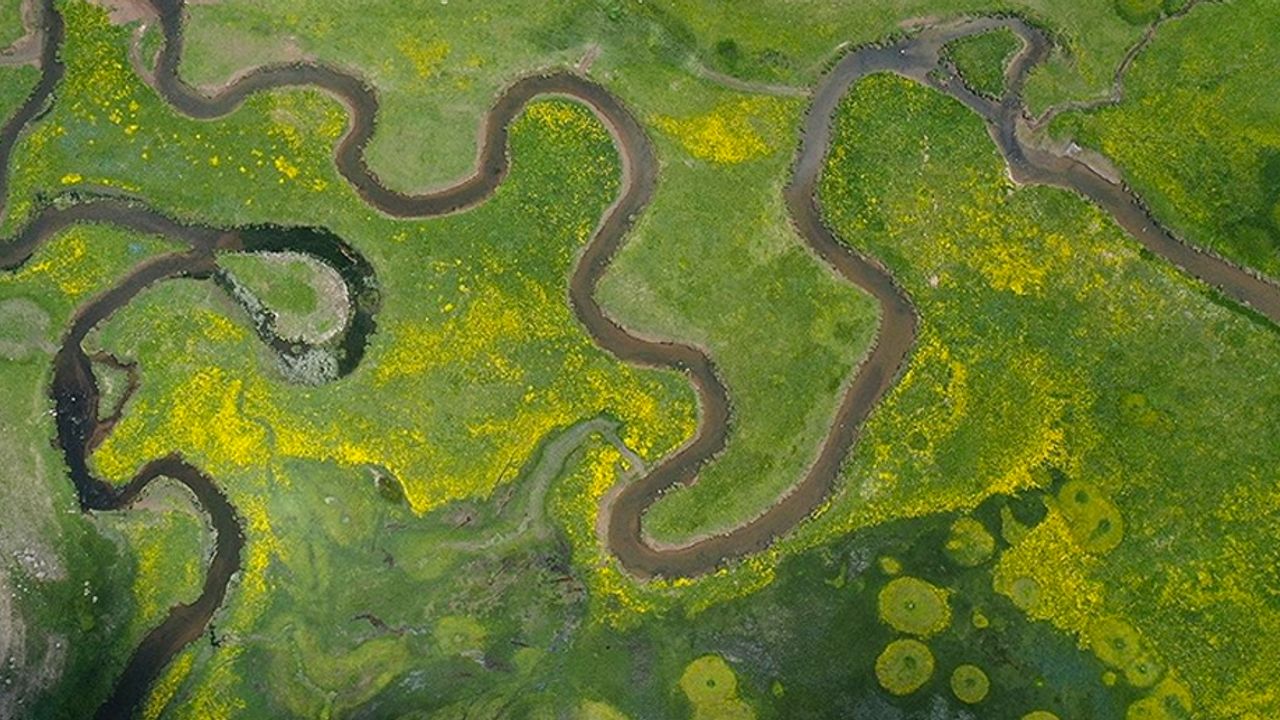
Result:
[1053,351]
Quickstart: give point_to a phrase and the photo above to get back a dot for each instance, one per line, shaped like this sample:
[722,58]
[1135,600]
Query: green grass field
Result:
[784,331]
[1069,495]
[10,22]
[1196,133]
[982,59]
[73,577]
[1086,356]
[308,299]
[436,80]
[660,281]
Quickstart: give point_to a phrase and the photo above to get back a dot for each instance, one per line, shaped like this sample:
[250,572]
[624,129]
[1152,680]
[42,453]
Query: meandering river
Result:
[76,396]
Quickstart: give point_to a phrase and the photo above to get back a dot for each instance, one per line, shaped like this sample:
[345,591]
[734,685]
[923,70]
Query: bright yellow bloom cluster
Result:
[164,689]
[204,417]
[67,262]
[734,131]
[1048,576]
[215,697]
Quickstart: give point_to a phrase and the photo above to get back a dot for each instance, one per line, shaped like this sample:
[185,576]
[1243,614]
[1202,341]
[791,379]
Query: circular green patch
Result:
[980,620]
[1025,592]
[917,441]
[970,684]
[889,565]
[1114,641]
[1040,715]
[913,606]
[1143,671]
[1094,520]
[526,659]
[1170,700]
[969,543]
[456,634]
[904,666]
[709,679]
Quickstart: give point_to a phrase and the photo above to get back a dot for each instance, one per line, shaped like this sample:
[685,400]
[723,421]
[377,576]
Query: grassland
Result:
[309,300]
[11,27]
[713,143]
[15,85]
[981,59]
[436,80]
[1073,344]
[784,331]
[75,611]
[791,42]
[448,52]
[1196,133]
[645,52]
[806,645]
[666,282]
[1047,337]
[1055,358]
[459,396]
[497,331]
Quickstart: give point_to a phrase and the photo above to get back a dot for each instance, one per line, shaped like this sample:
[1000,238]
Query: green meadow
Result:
[1064,508]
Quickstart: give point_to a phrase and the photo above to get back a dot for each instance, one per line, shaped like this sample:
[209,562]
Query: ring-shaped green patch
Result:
[913,606]
[1170,700]
[969,544]
[970,684]
[1094,520]
[709,679]
[1025,593]
[1143,671]
[1114,641]
[904,666]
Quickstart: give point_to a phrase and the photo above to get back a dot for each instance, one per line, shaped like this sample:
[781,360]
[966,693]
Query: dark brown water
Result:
[76,395]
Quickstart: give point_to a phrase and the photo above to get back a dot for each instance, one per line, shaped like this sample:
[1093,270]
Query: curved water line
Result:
[75,391]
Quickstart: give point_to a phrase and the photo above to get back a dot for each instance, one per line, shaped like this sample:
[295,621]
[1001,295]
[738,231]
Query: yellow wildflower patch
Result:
[67,262]
[562,116]
[732,132]
[203,417]
[213,698]
[217,327]
[154,579]
[286,168]
[613,594]
[166,687]
[1049,576]
[491,319]
[426,56]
